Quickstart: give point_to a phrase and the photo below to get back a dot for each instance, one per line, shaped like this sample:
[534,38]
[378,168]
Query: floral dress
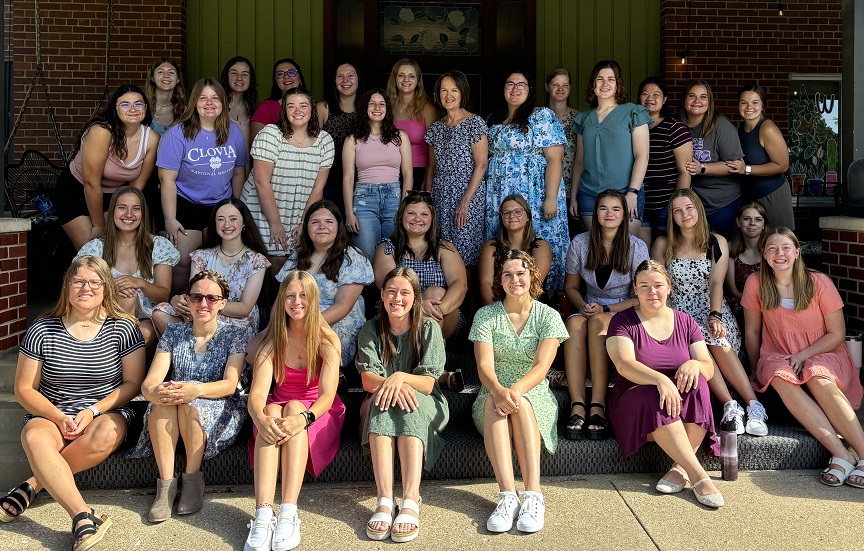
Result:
[514,356]
[454,166]
[690,294]
[163,253]
[355,269]
[221,418]
[517,165]
[569,151]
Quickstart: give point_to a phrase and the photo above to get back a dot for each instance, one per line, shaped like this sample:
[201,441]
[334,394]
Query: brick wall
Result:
[13,282]
[743,42]
[843,260]
[73,54]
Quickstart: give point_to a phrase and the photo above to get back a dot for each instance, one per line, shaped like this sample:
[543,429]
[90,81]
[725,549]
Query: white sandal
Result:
[859,471]
[381,517]
[840,475]
[410,505]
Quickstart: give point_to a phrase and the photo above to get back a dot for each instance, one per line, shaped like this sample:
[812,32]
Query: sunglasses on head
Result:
[424,195]
[197,298]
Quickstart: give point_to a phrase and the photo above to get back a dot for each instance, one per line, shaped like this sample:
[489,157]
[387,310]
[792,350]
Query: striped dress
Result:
[294,173]
[76,374]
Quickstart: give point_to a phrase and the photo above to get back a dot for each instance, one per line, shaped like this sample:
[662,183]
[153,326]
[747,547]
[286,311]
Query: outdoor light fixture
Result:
[780,9]
[684,56]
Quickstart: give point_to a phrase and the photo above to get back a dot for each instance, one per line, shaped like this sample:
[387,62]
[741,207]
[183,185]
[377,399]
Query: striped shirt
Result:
[661,177]
[76,374]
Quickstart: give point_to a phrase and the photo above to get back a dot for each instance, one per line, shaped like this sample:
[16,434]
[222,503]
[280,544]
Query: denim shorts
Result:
[375,207]
[587,201]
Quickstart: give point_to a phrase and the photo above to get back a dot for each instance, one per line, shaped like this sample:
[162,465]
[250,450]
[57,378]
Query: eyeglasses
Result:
[126,106]
[197,298]
[285,74]
[94,284]
[515,213]
[521,86]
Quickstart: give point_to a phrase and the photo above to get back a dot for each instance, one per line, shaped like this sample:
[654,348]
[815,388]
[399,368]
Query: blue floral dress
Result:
[220,418]
[355,268]
[517,165]
[454,166]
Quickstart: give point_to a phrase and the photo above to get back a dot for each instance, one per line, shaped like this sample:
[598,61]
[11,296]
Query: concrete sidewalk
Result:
[765,510]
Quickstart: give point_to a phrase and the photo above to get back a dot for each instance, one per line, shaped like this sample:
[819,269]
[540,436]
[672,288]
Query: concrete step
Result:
[11,418]
[8,362]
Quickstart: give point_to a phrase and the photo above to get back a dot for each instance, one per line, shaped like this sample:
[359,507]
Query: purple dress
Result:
[634,410]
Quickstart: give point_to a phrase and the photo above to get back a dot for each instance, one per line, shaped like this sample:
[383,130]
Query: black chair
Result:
[32,176]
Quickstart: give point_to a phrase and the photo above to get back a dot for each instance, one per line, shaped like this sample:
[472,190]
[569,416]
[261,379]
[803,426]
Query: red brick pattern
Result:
[73,54]
[13,289]
[737,43]
[843,260]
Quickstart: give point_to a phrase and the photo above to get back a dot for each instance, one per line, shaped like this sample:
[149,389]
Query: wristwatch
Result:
[716,315]
[702,170]
[747,170]
[310,417]
[95,410]
[632,190]
[606,309]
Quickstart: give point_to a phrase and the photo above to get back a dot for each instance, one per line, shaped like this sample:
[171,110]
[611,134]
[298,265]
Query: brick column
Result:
[13,281]
[843,260]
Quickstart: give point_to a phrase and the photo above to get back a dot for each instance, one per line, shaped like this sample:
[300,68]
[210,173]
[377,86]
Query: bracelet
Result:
[310,417]
[95,411]
[716,315]
[606,309]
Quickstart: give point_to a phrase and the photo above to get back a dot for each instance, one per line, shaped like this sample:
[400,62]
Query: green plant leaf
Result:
[398,38]
[431,16]
[415,38]
[443,38]
[451,28]
[465,31]
[391,21]
[462,43]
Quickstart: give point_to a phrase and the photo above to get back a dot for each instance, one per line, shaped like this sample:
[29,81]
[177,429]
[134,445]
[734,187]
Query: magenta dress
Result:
[634,410]
[323,434]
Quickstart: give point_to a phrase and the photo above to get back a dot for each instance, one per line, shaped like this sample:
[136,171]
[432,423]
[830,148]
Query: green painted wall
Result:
[577,33]
[262,30]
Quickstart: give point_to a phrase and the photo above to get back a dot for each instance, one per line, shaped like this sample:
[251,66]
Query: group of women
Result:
[439,206]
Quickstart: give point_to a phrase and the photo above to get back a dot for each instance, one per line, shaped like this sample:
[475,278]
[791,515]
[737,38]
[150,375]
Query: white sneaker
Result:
[756,417]
[260,534]
[287,534]
[735,413]
[532,515]
[501,520]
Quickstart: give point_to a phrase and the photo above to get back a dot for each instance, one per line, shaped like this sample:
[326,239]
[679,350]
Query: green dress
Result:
[428,421]
[514,356]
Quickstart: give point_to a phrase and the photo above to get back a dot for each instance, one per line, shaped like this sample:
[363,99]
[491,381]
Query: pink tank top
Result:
[416,130]
[116,173]
[377,163]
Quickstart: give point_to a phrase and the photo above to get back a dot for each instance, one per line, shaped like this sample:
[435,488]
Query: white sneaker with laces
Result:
[756,417]
[287,534]
[532,515]
[735,413]
[260,534]
[501,520]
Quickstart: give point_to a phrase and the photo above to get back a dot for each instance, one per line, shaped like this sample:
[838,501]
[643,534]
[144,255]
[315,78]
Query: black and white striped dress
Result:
[75,373]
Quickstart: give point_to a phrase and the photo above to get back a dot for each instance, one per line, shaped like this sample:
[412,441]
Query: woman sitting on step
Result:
[515,340]
[78,367]
[400,357]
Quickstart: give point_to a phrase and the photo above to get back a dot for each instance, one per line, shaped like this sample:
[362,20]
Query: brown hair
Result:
[737,245]
[178,95]
[650,265]
[620,257]
[191,120]
[709,120]
[143,237]
[110,301]
[415,331]
[804,287]
[312,128]
[418,103]
[557,72]
[211,275]
[673,232]
[528,234]
[528,263]
[620,85]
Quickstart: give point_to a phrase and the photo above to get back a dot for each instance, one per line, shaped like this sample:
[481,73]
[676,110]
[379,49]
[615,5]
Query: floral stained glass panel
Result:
[430,28]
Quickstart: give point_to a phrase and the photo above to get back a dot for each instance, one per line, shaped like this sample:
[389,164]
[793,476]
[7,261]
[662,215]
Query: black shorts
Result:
[70,201]
[192,215]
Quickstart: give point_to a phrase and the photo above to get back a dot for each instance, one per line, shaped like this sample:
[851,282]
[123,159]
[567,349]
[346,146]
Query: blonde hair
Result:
[110,307]
[321,341]
[804,287]
[418,103]
[674,239]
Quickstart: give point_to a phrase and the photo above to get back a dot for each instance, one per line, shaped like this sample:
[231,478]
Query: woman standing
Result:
[116,147]
[78,368]
[795,333]
[340,270]
[378,153]
[515,340]
[745,253]
[199,403]
[400,357]
[526,147]
[457,167]
[661,391]
[338,116]
[165,93]
[515,231]
[558,86]
[286,75]
[715,150]
[297,426]
[611,148]
[605,259]
[697,261]
[291,162]
[766,159]
[671,148]
[201,161]
[140,262]
[238,80]
[413,113]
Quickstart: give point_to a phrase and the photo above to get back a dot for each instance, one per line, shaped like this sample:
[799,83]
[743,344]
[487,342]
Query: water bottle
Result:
[728,451]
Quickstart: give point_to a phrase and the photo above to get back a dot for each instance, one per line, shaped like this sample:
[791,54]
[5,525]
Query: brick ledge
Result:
[841,223]
[13,225]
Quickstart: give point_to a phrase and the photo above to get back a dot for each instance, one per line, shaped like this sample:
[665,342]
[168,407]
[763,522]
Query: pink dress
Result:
[323,434]
[416,130]
[785,332]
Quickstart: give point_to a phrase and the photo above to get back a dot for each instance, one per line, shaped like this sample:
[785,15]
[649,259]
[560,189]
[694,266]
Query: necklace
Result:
[786,285]
[298,348]
[301,143]
[135,135]
[226,255]
[163,104]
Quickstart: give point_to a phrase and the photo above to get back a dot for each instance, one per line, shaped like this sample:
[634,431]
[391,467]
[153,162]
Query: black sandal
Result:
[575,429]
[96,529]
[603,432]
[13,498]
[455,380]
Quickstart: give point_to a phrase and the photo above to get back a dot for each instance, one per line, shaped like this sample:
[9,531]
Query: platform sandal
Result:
[96,530]
[387,518]
[14,499]
[603,432]
[575,429]
[408,505]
